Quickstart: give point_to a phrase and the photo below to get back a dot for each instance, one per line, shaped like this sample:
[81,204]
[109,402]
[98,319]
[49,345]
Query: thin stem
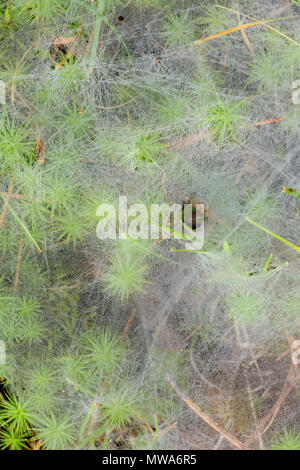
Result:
[21,223]
[98,23]
[292,245]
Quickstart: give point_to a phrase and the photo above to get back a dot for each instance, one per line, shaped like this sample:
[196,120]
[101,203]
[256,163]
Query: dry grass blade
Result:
[229,437]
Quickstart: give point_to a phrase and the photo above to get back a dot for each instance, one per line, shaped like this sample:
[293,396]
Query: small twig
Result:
[267,121]
[127,326]
[20,222]
[270,416]
[252,405]
[262,123]
[192,333]
[229,437]
[21,197]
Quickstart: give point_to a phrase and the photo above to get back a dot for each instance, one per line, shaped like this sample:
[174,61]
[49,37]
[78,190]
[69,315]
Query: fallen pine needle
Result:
[264,22]
[229,437]
[267,121]
[228,31]
[4,208]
